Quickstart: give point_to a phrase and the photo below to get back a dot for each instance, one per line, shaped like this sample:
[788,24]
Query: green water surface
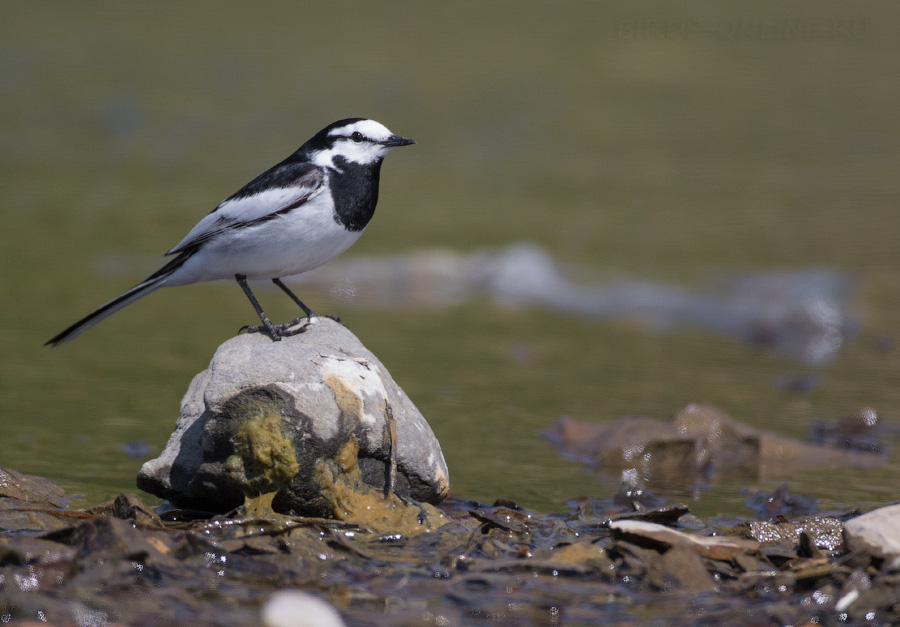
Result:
[655,141]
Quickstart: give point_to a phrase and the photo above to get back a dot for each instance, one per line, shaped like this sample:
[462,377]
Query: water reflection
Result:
[804,313]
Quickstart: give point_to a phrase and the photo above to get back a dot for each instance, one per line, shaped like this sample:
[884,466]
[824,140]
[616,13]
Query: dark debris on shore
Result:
[122,563]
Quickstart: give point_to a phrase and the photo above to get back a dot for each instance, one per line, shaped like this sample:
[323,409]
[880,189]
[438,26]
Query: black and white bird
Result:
[292,218]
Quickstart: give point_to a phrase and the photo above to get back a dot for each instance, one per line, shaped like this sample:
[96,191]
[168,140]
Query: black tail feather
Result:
[153,283]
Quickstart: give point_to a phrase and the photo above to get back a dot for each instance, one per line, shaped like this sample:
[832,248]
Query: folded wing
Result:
[284,188]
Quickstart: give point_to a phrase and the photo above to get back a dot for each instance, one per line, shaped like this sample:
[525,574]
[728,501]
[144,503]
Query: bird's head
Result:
[355,140]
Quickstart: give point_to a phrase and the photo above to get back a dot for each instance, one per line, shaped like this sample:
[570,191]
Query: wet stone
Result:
[781,502]
[680,569]
[819,532]
[768,533]
[700,442]
[816,568]
[583,553]
[112,538]
[663,538]
[18,550]
[750,564]
[24,516]
[662,514]
[31,489]
[823,532]
[128,507]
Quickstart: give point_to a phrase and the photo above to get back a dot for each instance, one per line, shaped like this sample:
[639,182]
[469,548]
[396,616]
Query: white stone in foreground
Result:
[877,532]
[293,608]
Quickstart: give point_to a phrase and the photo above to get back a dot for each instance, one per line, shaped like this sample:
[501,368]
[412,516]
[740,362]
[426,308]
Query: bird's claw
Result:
[278,331]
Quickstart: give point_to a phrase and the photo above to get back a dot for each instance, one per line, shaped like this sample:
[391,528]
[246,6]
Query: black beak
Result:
[395,140]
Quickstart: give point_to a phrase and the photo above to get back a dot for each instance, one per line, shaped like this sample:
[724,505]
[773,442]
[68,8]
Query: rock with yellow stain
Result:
[265,416]
[355,501]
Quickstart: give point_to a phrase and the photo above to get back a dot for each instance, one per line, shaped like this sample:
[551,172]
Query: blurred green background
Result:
[662,141]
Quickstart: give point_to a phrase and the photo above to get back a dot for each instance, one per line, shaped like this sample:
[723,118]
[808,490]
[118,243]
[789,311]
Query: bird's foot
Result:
[291,329]
[278,331]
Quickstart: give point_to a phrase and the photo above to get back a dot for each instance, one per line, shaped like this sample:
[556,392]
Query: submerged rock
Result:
[699,442]
[264,415]
[731,447]
[643,450]
[863,431]
[781,502]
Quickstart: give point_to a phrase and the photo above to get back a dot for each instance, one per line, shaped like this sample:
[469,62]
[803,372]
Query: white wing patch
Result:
[237,211]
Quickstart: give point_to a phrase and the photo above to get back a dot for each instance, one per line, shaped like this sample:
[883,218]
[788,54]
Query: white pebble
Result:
[293,608]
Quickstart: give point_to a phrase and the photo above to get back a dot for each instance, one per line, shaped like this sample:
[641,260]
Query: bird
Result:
[295,216]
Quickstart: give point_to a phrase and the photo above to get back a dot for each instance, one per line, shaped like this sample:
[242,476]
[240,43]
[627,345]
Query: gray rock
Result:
[323,388]
[877,532]
[699,442]
[31,489]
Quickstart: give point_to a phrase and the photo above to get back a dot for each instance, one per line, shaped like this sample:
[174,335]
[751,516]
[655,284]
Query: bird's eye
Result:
[357,137]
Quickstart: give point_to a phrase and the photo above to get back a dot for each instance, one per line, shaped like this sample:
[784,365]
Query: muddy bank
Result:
[600,563]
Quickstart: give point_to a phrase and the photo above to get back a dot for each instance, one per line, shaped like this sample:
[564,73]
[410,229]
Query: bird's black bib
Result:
[355,191]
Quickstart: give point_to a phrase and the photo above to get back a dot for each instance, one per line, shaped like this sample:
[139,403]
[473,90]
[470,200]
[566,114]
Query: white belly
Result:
[291,244]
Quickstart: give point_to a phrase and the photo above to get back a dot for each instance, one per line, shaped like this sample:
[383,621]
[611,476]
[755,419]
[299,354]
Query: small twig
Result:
[390,426]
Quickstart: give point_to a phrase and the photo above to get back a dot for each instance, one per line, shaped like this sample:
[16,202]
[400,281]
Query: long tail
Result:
[137,292]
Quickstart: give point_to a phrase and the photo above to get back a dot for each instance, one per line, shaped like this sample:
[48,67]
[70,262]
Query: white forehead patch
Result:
[369,128]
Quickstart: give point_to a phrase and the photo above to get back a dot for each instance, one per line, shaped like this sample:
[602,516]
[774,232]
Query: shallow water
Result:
[671,145]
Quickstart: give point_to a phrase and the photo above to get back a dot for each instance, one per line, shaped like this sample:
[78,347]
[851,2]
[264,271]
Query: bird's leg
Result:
[309,312]
[286,329]
[272,330]
[306,310]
